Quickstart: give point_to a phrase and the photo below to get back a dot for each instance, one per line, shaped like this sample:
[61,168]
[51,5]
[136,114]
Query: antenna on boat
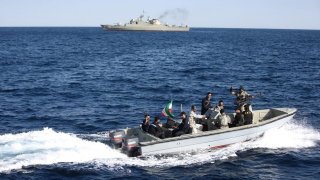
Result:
[180,107]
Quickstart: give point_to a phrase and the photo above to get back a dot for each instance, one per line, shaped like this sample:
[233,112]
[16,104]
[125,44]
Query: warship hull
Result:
[139,24]
[145,28]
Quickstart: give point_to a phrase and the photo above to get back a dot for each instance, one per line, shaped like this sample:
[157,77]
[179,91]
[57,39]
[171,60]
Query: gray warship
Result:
[139,24]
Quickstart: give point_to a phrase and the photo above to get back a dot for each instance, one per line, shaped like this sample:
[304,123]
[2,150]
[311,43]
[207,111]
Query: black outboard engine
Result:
[116,138]
[131,147]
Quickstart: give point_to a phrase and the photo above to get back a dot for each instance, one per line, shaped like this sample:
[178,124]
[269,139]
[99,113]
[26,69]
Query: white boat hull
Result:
[146,144]
[211,141]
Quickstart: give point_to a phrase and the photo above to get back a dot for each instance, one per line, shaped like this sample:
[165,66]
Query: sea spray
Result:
[48,147]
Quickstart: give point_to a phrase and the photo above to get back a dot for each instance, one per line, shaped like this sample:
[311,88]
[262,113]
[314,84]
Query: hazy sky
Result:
[288,14]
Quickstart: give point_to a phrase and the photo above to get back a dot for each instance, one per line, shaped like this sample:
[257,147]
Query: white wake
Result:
[48,147]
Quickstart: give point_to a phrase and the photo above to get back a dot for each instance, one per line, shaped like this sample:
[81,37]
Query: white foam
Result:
[49,147]
[291,135]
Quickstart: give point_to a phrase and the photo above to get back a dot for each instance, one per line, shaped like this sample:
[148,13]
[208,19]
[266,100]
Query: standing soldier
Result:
[206,103]
[242,97]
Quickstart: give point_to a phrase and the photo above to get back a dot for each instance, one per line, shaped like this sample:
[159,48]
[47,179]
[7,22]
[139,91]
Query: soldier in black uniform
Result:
[155,129]
[238,119]
[184,127]
[145,124]
[247,115]
[206,103]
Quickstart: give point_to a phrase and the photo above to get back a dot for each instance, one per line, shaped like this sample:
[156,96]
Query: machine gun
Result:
[242,99]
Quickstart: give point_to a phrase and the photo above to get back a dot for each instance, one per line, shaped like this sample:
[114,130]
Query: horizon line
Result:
[195,27]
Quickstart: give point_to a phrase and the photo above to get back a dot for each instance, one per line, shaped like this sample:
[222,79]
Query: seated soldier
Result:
[170,124]
[224,119]
[219,106]
[183,128]
[211,120]
[247,115]
[156,129]
[145,124]
[238,118]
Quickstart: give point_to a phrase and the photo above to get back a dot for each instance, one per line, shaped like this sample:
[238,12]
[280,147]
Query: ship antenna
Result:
[142,15]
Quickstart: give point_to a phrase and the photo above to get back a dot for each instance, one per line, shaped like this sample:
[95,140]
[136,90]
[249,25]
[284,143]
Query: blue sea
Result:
[63,89]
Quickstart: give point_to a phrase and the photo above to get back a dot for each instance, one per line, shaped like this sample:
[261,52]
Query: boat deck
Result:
[260,117]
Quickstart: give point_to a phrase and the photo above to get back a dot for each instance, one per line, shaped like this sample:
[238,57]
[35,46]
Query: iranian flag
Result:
[167,111]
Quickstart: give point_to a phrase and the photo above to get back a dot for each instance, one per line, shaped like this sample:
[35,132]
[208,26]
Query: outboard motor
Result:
[116,138]
[131,147]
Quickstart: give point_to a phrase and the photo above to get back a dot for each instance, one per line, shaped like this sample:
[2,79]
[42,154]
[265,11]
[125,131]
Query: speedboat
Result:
[135,142]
